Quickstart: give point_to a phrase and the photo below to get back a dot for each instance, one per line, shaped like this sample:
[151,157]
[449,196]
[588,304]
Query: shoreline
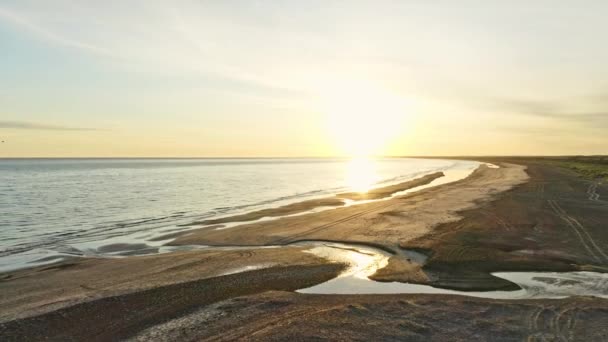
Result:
[495,220]
[155,241]
[333,201]
[86,269]
[420,211]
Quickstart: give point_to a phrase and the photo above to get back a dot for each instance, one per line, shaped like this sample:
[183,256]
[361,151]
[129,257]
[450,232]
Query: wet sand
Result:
[524,216]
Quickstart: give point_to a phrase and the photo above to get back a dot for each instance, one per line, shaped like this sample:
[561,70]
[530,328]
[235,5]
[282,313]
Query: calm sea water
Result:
[55,207]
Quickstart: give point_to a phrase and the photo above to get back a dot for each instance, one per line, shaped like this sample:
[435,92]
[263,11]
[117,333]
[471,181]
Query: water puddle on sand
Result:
[364,261]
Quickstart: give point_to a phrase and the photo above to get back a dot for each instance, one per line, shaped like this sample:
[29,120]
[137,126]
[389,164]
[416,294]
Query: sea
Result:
[54,208]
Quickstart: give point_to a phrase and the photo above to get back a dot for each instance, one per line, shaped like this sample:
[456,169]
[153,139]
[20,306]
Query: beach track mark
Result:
[331,224]
[540,189]
[283,319]
[592,192]
[585,238]
[498,220]
[545,324]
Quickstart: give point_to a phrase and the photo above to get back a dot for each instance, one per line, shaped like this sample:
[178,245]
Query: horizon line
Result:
[322,157]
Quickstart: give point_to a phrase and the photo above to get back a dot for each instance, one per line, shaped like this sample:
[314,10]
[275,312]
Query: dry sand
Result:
[389,223]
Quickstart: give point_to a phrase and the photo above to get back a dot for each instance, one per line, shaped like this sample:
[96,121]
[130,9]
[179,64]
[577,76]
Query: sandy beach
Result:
[389,223]
[304,171]
[523,216]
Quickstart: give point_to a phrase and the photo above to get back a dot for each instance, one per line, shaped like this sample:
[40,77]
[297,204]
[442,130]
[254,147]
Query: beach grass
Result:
[588,167]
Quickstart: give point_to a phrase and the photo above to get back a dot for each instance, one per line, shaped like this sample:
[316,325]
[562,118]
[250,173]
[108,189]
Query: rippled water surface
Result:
[63,206]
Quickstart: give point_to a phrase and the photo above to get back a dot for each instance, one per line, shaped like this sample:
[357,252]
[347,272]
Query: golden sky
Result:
[302,78]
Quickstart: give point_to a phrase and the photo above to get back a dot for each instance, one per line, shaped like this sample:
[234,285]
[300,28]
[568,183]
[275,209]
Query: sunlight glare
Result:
[363,119]
[361,174]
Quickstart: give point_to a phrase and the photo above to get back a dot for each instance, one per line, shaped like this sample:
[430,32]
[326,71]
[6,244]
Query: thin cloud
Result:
[168,59]
[50,36]
[584,117]
[40,126]
[554,111]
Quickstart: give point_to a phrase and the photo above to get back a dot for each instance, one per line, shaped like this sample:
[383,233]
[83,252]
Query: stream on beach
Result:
[364,261]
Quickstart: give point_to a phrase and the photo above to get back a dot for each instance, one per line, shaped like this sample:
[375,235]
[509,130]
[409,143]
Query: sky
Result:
[302,78]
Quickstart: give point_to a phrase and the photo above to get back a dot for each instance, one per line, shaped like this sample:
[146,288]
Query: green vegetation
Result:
[594,167]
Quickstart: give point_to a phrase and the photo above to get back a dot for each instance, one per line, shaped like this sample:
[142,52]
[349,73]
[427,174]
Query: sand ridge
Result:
[392,222]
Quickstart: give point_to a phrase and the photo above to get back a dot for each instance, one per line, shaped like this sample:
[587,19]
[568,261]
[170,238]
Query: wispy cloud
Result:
[41,126]
[252,47]
[186,46]
[554,111]
[23,22]
[582,117]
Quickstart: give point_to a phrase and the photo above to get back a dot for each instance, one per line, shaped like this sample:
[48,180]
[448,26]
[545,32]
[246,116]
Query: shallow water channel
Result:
[364,261]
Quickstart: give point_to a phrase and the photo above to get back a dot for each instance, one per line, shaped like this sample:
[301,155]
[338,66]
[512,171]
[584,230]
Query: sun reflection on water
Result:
[361,174]
[362,262]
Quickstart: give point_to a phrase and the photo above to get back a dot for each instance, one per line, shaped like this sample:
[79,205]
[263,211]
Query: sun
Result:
[362,119]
